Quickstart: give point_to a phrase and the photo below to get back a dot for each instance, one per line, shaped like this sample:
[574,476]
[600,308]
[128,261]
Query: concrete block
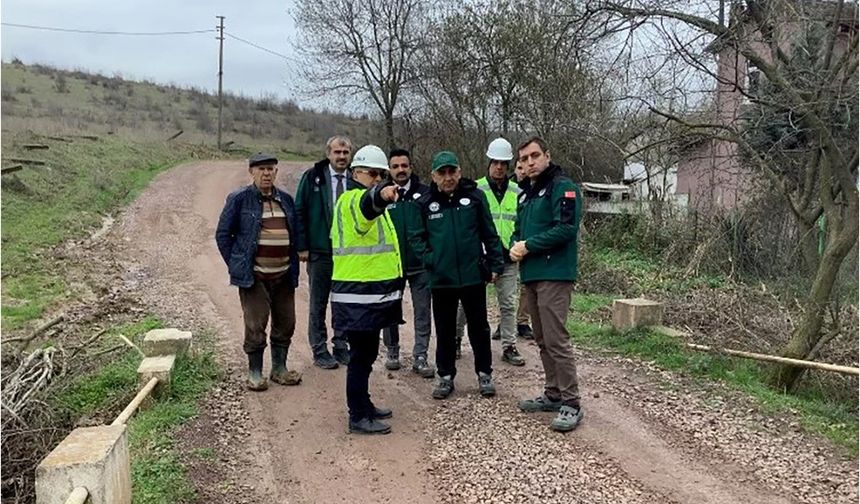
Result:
[166,342]
[628,313]
[92,457]
[160,367]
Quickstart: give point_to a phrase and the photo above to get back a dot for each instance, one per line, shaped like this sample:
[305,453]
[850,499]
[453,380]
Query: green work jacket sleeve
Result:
[566,208]
[515,237]
[302,213]
[416,235]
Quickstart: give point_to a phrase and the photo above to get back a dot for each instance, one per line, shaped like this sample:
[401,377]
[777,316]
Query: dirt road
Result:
[647,436]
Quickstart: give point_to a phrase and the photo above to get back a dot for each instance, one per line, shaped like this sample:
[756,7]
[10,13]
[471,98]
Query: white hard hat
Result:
[370,156]
[500,149]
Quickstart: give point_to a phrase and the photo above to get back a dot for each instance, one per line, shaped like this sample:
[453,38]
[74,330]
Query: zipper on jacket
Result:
[456,249]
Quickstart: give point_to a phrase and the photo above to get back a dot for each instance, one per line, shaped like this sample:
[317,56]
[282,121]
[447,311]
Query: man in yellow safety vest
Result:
[502,198]
[367,280]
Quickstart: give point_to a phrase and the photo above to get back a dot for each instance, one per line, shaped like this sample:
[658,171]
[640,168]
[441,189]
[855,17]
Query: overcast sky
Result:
[187,60]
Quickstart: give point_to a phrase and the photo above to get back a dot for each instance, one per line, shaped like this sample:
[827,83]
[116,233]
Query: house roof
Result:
[593,186]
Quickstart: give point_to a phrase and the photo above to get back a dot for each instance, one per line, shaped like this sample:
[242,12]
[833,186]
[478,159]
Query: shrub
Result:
[60,84]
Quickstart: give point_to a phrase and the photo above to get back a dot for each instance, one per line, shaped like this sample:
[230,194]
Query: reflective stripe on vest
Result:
[359,256]
[343,297]
[341,249]
[505,213]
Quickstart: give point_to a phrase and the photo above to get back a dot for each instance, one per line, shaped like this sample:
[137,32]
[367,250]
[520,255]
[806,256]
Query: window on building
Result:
[753,79]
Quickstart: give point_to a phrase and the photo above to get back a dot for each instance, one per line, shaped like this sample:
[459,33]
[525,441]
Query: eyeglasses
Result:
[375,173]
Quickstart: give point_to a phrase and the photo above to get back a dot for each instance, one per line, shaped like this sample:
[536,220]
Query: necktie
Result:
[339,188]
[402,193]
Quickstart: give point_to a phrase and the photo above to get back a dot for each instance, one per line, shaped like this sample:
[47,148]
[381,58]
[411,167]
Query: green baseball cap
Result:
[444,158]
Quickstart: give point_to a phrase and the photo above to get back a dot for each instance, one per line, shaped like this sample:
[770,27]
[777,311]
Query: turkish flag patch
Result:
[570,194]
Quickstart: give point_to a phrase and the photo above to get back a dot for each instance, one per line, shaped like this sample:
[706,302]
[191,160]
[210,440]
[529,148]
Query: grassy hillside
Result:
[41,98]
[85,179]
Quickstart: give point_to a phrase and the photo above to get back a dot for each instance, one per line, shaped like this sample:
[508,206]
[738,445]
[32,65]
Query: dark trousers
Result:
[419,286]
[474,299]
[265,297]
[363,347]
[320,268]
[549,304]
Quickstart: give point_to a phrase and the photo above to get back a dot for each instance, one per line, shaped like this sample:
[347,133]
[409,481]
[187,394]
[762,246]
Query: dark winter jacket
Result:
[239,229]
[455,237]
[404,213]
[548,218]
[314,207]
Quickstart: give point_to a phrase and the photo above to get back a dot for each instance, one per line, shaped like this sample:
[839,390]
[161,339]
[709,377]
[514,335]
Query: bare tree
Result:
[360,48]
[812,99]
[510,68]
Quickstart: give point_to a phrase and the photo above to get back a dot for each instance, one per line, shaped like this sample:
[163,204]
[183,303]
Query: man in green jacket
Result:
[544,243]
[318,191]
[460,248]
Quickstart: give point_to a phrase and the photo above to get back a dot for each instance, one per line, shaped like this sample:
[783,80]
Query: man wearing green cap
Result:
[458,244]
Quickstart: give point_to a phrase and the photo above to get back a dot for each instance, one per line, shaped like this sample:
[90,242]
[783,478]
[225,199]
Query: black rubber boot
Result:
[256,381]
[279,373]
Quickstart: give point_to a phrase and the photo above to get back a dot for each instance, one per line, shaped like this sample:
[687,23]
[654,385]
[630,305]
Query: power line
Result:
[283,56]
[100,32]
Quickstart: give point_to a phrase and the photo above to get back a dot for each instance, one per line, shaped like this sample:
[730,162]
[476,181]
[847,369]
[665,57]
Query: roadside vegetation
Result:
[97,396]
[740,311]
[81,184]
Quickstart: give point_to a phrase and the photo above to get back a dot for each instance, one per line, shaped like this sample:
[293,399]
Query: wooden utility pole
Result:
[220,75]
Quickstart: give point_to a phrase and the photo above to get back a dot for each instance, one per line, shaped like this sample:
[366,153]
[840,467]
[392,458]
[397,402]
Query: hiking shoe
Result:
[524,331]
[256,381]
[368,426]
[286,377]
[567,420]
[392,362]
[341,355]
[542,403]
[444,387]
[513,357]
[497,334]
[485,385]
[325,361]
[423,368]
[381,413]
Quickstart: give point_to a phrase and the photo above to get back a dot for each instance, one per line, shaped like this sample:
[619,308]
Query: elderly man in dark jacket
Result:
[254,236]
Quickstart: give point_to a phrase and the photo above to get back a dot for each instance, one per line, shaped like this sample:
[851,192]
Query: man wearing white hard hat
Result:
[367,280]
[502,199]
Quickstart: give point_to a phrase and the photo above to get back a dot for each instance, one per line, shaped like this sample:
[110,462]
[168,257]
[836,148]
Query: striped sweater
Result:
[273,245]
